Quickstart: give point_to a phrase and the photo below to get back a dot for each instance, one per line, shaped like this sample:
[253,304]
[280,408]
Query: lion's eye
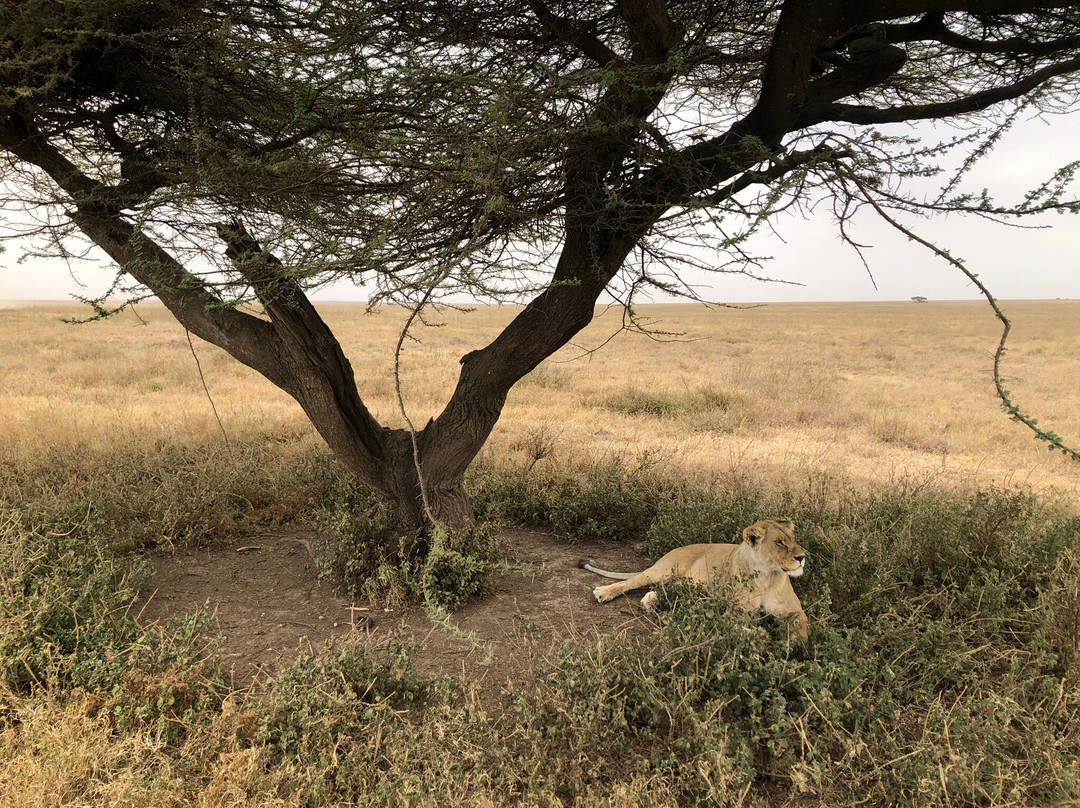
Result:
[780,542]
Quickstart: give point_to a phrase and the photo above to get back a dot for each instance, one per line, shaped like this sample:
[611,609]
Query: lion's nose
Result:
[800,558]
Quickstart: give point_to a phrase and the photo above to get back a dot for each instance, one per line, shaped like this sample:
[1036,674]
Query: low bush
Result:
[916,706]
[67,623]
[64,604]
[366,554]
[689,515]
[634,401]
[661,404]
[942,667]
[579,500]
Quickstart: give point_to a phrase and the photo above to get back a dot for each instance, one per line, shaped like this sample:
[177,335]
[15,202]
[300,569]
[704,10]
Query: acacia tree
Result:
[229,156]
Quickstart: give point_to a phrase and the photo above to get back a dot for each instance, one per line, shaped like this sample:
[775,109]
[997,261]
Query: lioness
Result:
[763,566]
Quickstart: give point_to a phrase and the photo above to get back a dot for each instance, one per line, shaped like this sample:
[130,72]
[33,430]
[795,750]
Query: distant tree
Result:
[230,156]
[919,299]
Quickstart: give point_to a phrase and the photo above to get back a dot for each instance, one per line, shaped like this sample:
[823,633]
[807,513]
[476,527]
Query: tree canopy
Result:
[231,156]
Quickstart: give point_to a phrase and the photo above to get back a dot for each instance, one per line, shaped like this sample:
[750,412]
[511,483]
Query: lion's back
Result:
[707,562]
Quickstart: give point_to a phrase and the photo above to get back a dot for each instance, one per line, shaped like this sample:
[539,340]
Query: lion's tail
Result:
[585,564]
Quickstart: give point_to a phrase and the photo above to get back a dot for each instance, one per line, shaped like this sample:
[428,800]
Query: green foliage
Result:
[346,692]
[635,401]
[942,668]
[64,604]
[602,499]
[458,566]
[931,696]
[170,681]
[942,626]
[882,544]
[640,402]
[363,727]
[360,539]
[689,515]
[67,623]
[367,553]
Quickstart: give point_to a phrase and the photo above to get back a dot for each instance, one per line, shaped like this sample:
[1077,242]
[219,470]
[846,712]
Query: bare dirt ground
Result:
[266,597]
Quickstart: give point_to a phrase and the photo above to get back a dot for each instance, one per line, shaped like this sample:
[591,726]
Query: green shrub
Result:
[633,401]
[906,709]
[458,566]
[691,515]
[170,681]
[942,667]
[67,623]
[341,693]
[943,627]
[63,610]
[585,500]
[878,548]
[367,554]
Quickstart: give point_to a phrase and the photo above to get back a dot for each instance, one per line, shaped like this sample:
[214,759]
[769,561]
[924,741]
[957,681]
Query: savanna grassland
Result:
[943,666]
[871,390]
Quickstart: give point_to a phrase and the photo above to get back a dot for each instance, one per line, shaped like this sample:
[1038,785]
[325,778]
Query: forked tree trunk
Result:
[443,500]
[386,461]
[446,447]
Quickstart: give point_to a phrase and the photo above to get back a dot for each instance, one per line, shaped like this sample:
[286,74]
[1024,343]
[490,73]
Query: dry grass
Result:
[870,391]
[60,753]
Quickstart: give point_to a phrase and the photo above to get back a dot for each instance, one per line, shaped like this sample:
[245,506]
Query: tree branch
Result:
[802,30]
[572,33]
[312,346]
[859,12]
[183,293]
[803,27]
[546,324]
[972,103]
[779,168]
[869,62]
[932,28]
[1053,441]
[651,29]
[295,350]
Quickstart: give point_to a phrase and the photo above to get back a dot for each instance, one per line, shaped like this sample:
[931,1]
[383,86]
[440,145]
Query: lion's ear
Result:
[752,535]
[786,523]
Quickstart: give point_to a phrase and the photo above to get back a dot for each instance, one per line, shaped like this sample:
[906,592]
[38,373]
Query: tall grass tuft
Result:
[578,499]
[135,492]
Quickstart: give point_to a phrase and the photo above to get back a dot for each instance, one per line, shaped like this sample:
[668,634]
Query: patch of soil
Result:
[270,605]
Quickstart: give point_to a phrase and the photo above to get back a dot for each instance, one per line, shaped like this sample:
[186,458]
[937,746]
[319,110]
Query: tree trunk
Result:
[443,501]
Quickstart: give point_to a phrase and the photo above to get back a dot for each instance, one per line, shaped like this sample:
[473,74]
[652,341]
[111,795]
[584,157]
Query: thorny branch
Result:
[1053,441]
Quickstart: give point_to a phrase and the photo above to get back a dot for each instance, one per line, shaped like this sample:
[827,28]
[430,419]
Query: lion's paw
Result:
[600,595]
[648,603]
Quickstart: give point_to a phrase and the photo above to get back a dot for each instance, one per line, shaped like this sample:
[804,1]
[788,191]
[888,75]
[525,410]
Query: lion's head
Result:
[773,544]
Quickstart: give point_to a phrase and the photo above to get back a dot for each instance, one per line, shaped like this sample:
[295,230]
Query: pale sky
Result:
[1014,263]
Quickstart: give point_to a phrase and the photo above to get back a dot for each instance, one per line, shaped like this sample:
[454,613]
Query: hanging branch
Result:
[1053,441]
[206,389]
[432,285]
[413,314]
